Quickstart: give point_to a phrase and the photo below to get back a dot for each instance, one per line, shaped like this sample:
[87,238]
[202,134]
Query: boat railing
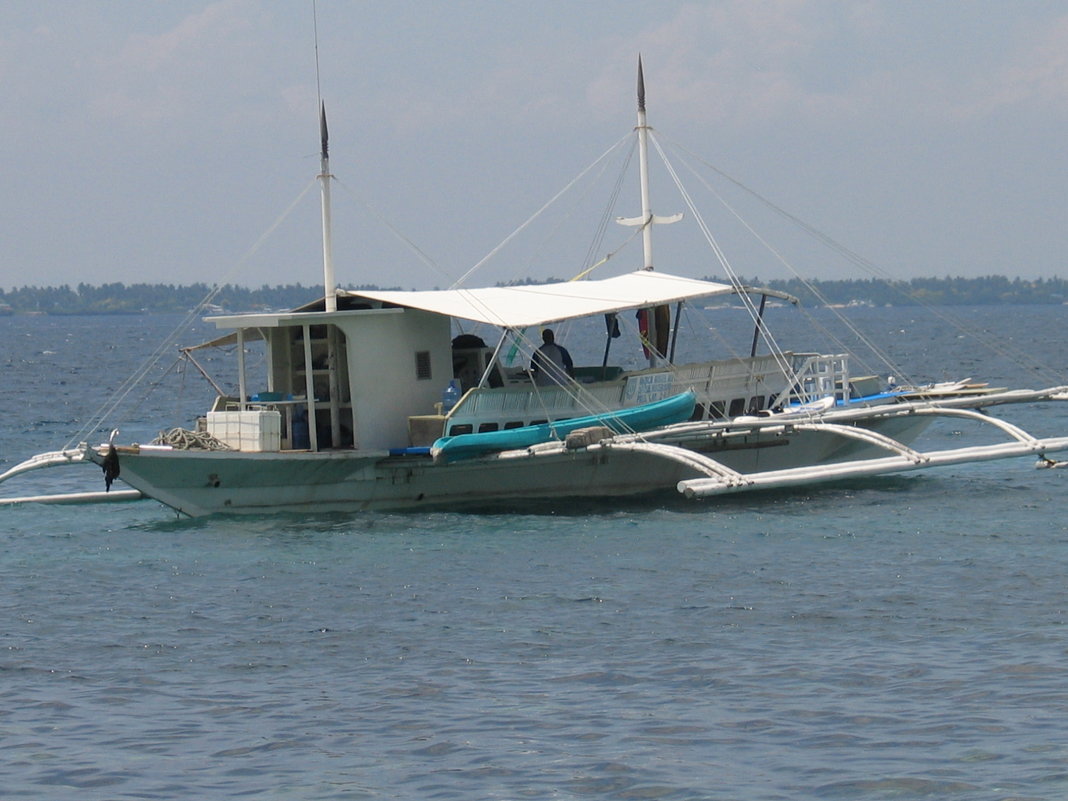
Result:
[816,376]
[709,376]
[734,385]
[492,409]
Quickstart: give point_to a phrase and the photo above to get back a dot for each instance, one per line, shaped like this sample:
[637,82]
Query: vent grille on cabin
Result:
[422,364]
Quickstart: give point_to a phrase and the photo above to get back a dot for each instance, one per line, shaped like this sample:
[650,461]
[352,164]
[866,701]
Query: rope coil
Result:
[183,439]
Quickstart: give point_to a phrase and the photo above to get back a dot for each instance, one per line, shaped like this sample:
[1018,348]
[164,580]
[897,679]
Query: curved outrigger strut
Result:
[62,459]
[902,458]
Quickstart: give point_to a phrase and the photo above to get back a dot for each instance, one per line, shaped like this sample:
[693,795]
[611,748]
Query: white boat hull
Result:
[200,483]
[697,459]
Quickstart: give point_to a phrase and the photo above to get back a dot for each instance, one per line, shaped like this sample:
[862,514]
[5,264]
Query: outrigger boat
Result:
[352,416]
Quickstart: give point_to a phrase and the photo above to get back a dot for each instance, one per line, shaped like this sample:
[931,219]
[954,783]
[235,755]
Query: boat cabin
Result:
[371,374]
[344,379]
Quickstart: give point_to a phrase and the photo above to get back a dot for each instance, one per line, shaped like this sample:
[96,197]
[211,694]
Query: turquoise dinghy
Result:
[671,410]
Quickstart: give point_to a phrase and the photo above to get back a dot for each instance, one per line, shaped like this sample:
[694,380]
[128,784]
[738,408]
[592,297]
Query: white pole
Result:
[242,389]
[309,388]
[648,219]
[335,388]
[647,207]
[643,171]
[329,292]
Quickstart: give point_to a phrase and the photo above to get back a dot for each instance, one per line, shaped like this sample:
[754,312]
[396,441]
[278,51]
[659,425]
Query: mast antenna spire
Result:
[329,284]
[641,85]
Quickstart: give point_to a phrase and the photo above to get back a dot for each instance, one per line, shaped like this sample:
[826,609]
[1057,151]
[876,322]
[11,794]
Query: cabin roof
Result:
[520,306]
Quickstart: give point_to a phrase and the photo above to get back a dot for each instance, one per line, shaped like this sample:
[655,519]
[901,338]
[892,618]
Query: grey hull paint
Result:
[203,483]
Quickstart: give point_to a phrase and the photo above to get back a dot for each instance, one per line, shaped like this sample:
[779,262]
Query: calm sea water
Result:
[898,638]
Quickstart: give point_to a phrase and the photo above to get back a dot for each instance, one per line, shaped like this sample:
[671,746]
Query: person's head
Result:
[548,337]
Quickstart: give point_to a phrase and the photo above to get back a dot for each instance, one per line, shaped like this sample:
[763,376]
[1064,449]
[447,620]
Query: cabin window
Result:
[422,365]
[756,404]
[484,427]
[737,407]
[699,412]
[513,424]
[715,410]
[456,430]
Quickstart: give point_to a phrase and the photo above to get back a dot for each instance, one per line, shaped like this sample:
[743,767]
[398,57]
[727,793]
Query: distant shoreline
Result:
[156,298]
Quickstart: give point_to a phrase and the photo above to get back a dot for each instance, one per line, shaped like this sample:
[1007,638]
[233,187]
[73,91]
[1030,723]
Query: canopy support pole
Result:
[309,388]
[493,359]
[611,324]
[335,387]
[759,325]
[242,389]
[188,355]
[675,332]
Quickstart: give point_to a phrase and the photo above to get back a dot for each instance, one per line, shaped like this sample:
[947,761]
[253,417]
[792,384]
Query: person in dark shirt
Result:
[551,363]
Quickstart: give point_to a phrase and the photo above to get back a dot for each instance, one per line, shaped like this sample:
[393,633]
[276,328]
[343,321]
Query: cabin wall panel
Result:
[386,388]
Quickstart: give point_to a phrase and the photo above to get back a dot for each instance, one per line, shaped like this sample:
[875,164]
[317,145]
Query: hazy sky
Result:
[159,141]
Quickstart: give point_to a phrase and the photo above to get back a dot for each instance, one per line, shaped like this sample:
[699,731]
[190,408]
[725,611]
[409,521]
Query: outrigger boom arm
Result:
[718,479]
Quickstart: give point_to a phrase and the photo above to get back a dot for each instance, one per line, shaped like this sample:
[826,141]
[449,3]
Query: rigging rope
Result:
[463,278]
[765,334]
[108,408]
[1015,354]
[861,337]
[420,254]
[552,235]
[606,218]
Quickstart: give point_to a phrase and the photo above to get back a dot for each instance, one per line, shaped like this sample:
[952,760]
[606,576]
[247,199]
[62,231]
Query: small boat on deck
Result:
[347,414]
[635,419]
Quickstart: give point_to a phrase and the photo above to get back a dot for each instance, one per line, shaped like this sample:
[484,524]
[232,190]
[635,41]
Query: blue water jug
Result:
[449,397]
[301,434]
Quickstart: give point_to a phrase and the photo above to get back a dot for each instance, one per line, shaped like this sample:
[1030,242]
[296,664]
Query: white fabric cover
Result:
[520,306]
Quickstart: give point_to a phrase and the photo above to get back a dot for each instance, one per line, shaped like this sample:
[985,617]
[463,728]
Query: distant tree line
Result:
[985,290]
[120,298]
[136,298]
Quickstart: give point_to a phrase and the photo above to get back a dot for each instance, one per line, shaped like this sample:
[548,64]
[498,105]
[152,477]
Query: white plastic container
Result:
[259,430]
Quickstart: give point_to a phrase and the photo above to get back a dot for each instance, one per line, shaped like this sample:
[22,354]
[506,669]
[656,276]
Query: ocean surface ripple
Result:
[899,638]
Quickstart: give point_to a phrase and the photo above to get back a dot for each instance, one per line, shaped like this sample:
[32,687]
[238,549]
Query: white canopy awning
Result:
[521,306]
